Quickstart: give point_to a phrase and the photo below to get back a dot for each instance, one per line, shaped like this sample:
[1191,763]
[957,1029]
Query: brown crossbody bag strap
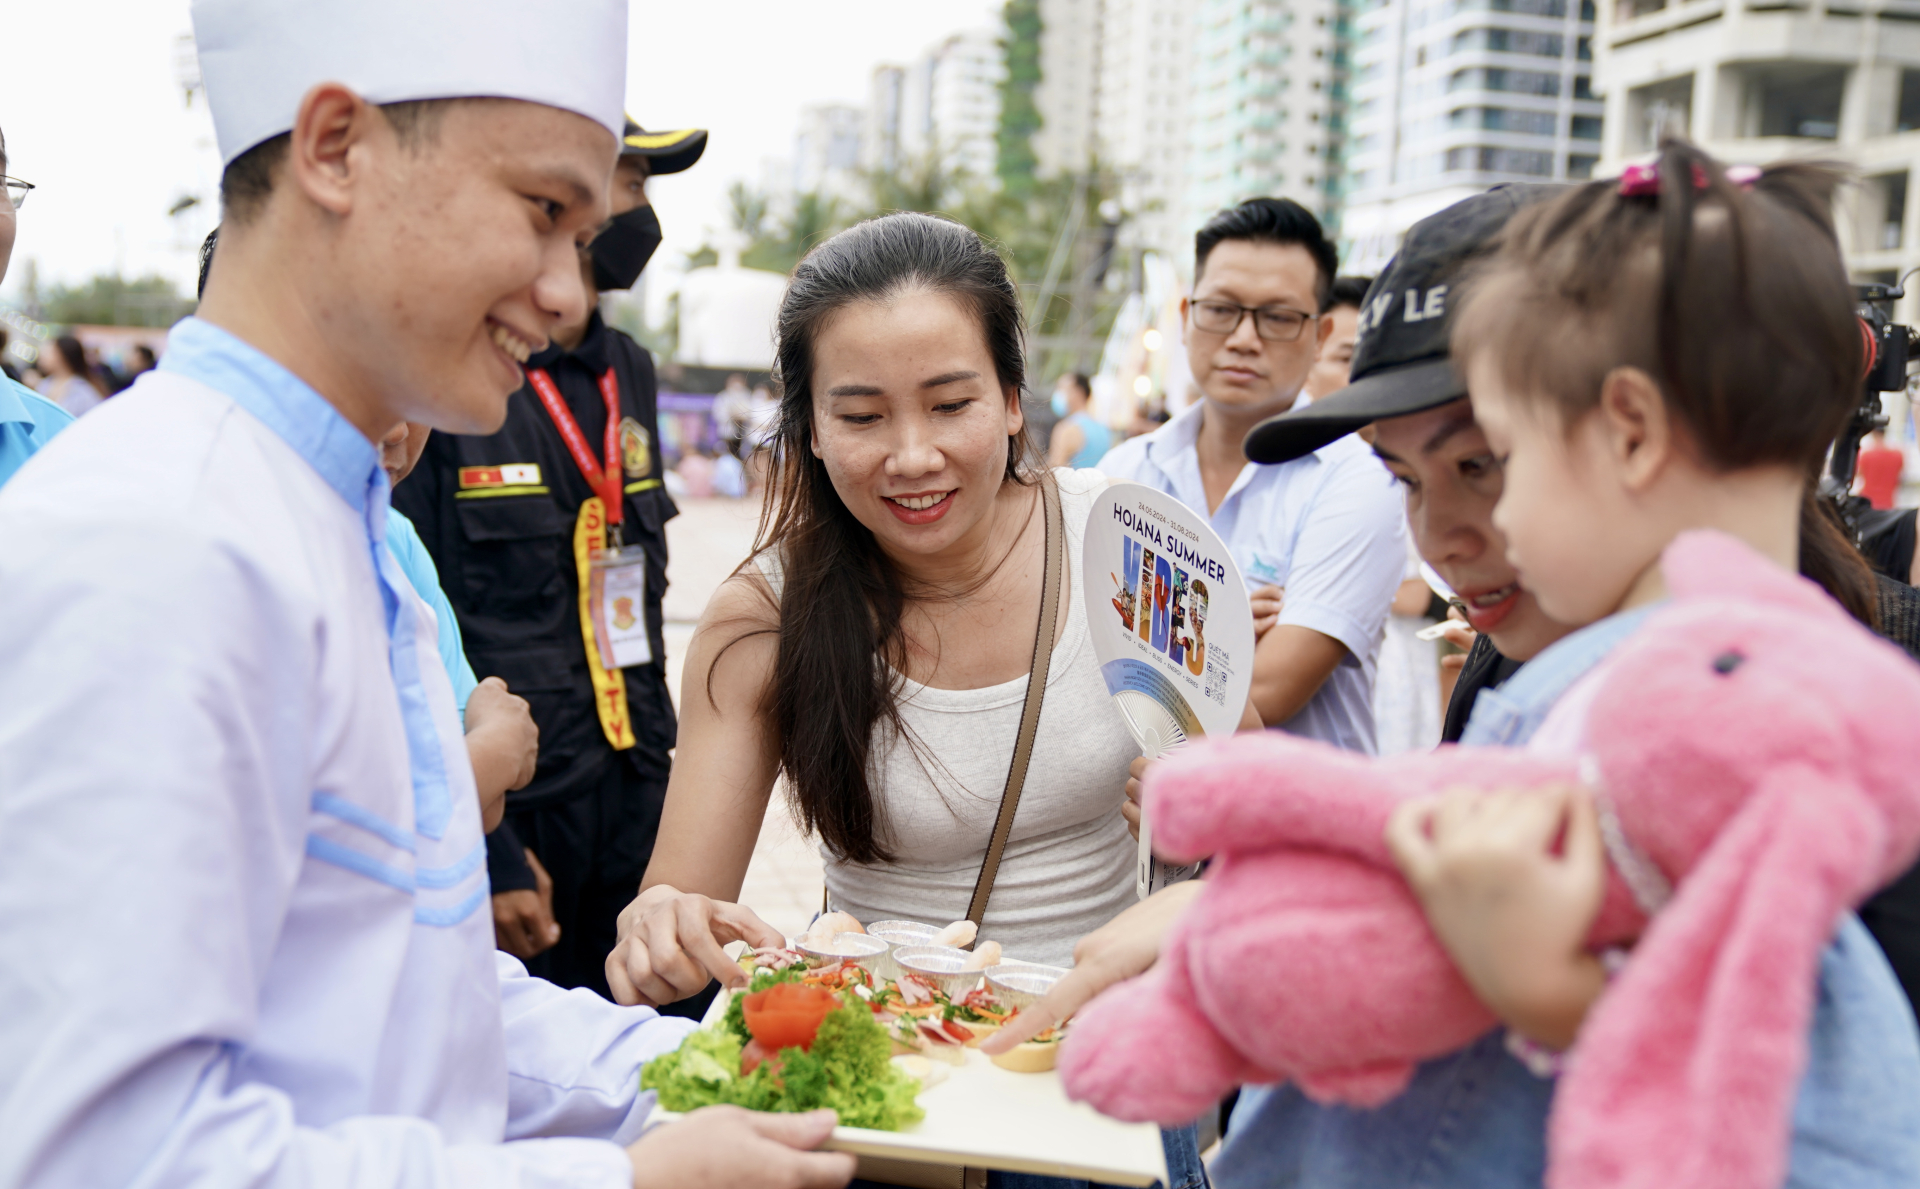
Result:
[1056,553]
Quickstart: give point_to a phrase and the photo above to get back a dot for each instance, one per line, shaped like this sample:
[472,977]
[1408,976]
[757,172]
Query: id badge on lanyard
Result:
[617,603]
[615,589]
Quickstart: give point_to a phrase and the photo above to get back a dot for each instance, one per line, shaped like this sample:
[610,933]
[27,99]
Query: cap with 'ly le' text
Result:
[1400,360]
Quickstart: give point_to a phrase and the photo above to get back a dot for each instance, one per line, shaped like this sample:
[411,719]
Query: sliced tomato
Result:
[943,1032]
[787,1015]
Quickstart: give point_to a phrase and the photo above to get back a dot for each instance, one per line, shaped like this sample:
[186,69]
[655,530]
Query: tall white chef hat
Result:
[259,58]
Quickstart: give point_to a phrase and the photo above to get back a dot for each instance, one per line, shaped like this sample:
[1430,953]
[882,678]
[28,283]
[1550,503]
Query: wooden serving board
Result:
[985,1117]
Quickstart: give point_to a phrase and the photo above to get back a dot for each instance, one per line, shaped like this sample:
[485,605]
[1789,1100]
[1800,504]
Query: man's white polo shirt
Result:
[1329,527]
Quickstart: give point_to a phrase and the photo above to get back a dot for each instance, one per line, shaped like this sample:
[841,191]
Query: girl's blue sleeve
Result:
[417,564]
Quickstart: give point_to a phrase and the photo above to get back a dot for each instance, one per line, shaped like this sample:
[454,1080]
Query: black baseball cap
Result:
[1400,361]
[666,152]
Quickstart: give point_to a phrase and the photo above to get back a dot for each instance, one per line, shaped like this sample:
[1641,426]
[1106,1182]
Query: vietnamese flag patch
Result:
[512,474]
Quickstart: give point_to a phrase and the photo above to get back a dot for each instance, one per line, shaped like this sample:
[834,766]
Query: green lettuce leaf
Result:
[847,1069]
[703,1071]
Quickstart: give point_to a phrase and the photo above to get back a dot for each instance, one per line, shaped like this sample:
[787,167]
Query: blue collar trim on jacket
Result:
[282,401]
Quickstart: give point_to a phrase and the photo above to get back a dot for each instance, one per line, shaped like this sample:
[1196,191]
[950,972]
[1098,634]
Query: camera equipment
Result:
[1888,342]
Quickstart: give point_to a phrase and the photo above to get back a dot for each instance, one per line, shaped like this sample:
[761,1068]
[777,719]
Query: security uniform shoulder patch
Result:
[636,449]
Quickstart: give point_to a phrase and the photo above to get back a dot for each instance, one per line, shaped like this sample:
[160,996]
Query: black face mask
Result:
[623,248]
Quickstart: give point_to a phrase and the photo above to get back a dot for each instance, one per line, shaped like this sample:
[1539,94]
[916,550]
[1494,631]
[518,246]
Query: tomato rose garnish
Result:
[787,1015]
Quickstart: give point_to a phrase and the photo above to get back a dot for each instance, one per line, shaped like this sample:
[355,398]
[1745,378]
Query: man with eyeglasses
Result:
[1326,529]
[28,420]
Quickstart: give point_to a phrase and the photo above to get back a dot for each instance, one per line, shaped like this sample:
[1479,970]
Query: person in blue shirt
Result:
[1078,439]
[28,420]
[502,741]
[1327,528]
[1477,1117]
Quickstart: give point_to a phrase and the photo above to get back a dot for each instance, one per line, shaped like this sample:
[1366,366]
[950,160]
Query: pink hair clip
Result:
[1640,181]
[1643,181]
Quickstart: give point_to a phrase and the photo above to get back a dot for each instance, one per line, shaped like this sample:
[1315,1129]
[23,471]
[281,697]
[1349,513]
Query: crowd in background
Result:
[77,377]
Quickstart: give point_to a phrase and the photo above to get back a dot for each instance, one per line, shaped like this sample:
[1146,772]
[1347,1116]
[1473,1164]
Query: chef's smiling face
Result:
[472,258]
[911,420]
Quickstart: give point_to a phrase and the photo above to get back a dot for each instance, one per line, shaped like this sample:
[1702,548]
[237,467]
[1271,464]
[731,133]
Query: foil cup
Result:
[942,965]
[1021,984]
[897,934]
[863,951]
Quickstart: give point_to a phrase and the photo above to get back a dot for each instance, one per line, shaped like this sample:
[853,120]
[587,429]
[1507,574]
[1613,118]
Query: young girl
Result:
[1647,355]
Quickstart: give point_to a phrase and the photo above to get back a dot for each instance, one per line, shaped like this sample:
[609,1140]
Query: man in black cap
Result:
[550,539]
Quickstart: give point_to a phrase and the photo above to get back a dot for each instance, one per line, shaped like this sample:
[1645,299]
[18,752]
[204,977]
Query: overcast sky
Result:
[95,117]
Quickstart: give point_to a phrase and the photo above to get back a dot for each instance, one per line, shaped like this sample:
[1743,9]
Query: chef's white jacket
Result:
[244,934]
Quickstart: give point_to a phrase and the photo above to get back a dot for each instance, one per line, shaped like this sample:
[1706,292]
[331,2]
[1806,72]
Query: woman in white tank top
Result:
[876,655]
[1068,867]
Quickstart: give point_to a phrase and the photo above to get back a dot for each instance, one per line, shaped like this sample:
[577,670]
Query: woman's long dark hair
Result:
[841,647]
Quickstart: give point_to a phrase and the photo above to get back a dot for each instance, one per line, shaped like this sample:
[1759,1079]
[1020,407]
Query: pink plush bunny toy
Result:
[1756,779]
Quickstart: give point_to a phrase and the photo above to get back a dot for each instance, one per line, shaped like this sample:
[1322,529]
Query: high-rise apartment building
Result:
[950,103]
[1452,96]
[827,150]
[1753,81]
[1268,105]
[880,144]
[1068,94]
[1143,125]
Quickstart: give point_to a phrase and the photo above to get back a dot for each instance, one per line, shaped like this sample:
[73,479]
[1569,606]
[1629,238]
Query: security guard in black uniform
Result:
[512,520]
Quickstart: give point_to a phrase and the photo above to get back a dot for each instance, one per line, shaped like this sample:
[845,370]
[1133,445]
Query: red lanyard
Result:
[605,481]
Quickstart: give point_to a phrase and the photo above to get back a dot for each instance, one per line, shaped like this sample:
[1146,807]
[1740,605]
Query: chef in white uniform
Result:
[243,934]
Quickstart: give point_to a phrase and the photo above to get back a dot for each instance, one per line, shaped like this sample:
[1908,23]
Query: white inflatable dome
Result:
[727,314]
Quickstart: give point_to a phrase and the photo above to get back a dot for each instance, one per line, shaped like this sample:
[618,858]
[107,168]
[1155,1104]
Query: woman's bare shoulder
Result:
[746,591]
[734,647]
[745,600]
